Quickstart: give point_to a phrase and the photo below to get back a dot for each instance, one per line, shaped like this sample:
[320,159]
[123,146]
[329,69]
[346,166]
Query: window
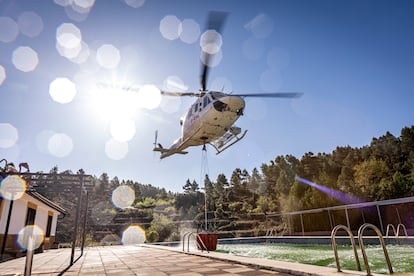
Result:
[206,100]
[30,217]
[49,226]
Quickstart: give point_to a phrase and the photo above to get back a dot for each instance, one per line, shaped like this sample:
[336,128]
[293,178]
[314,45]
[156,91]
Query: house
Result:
[30,209]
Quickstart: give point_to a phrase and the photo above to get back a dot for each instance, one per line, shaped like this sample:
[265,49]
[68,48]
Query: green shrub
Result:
[152,236]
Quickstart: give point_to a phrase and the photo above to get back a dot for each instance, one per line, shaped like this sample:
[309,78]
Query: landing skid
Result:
[229,138]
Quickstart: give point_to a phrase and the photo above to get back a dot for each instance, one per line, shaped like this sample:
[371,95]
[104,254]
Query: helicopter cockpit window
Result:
[220,106]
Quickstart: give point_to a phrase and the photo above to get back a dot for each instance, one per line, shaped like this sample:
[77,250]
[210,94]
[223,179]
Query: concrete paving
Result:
[157,261]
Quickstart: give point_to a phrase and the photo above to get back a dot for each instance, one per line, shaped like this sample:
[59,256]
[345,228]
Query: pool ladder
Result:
[361,244]
[396,233]
[188,235]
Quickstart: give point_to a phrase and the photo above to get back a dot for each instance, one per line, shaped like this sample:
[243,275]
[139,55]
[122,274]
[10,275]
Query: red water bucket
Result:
[207,241]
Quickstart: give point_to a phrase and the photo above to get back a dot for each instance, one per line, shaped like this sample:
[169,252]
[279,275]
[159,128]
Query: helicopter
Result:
[211,118]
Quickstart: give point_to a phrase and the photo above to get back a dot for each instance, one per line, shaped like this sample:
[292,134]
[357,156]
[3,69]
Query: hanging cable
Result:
[203,173]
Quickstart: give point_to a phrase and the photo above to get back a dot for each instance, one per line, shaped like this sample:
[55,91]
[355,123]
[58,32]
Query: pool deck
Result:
[158,261]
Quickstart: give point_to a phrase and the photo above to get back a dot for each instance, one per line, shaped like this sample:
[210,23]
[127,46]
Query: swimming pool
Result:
[402,256]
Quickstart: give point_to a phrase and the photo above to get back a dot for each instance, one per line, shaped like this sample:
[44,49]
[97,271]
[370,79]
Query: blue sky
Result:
[353,60]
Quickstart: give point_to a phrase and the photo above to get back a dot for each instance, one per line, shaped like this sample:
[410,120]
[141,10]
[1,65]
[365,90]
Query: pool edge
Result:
[272,265]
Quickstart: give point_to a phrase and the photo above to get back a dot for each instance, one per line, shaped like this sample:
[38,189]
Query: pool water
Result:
[401,256]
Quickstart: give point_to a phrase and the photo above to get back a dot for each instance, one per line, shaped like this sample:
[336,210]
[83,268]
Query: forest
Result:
[379,171]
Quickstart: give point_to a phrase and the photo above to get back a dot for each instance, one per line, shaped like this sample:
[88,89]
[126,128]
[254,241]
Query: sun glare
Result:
[110,103]
[122,129]
[62,90]
[149,97]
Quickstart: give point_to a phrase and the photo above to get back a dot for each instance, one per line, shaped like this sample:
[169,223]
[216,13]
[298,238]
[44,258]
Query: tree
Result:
[387,148]
[407,141]
[254,181]
[190,187]
[368,176]
[163,225]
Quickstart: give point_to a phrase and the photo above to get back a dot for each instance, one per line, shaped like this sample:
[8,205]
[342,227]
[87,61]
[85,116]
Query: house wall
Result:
[18,219]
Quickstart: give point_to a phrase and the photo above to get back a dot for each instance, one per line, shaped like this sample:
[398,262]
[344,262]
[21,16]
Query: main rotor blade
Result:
[180,94]
[272,95]
[216,20]
[120,87]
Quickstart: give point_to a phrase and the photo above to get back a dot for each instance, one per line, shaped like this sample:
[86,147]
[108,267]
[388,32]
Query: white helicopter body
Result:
[210,120]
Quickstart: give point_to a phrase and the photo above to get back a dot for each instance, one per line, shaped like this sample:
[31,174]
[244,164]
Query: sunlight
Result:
[149,97]
[62,90]
[110,102]
[122,129]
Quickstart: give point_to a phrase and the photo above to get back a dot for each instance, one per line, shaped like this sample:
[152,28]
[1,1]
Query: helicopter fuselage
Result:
[207,120]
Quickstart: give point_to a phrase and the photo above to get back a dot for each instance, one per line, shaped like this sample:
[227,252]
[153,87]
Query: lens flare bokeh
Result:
[12,187]
[62,90]
[123,197]
[8,135]
[30,237]
[25,59]
[134,234]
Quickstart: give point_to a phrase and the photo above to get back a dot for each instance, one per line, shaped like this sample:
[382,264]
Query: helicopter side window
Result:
[195,107]
[206,101]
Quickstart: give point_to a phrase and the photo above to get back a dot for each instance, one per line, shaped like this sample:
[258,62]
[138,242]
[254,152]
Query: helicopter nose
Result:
[235,103]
